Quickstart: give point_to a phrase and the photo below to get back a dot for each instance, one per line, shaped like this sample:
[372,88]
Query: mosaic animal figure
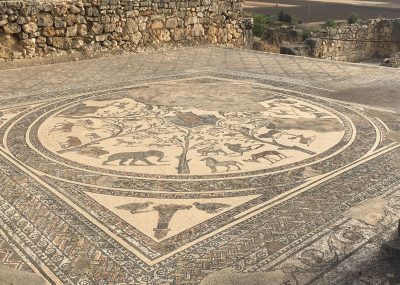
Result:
[92,136]
[210,208]
[121,142]
[212,163]
[71,142]
[135,156]
[305,140]
[208,151]
[238,148]
[65,127]
[93,151]
[269,155]
[271,134]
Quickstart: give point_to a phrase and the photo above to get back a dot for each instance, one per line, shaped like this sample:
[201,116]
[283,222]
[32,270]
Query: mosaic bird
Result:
[210,208]
[135,208]
[271,134]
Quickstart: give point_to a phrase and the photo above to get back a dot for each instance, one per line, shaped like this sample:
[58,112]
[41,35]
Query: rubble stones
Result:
[357,42]
[44,27]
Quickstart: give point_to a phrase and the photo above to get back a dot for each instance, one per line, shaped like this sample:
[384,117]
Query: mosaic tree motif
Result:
[125,132]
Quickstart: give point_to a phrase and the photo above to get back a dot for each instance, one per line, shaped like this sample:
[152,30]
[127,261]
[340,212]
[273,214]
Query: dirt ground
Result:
[316,11]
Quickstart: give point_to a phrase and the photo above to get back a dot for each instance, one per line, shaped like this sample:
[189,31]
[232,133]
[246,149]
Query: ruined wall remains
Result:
[34,28]
[356,42]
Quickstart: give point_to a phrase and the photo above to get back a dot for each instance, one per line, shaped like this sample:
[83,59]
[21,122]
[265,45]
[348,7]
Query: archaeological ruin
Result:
[147,142]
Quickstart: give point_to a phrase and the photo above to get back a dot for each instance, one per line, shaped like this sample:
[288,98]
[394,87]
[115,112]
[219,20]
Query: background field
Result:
[316,11]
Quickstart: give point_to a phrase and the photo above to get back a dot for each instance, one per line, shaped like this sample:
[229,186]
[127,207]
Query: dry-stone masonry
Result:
[35,28]
[356,42]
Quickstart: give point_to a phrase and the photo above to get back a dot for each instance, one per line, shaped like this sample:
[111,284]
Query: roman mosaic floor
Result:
[200,166]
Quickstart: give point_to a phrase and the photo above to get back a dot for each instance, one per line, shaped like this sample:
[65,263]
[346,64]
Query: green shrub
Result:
[352,19]
[330,23]
[260,22]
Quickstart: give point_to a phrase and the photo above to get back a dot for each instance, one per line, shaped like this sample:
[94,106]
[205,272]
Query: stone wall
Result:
[356,42]
[35,28]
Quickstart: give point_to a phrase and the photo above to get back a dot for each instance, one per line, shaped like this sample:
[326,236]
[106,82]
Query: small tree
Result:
[352,19]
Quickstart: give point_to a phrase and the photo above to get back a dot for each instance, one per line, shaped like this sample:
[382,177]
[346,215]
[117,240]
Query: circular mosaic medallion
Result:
[203,134]
[130,134]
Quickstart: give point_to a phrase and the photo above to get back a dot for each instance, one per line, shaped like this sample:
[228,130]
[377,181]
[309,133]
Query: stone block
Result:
[157,25]
[92,12]
[172,23]
[71,31]
[22,20]
[96,28]
[101,38]
[59,23]
[3,20]
[74,10]
[198,30]
[61,42]
[164,35]
[12,28]
[82,30]
[131,26]
[44,20]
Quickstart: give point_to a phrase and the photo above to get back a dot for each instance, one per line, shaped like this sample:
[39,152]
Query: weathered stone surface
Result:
[71,31]
[136,37]
[9,275]
[22,20]
[3,20]
[11,28]
[198,30]
[44,20]
[164,35]
[131,26]
[82,30]
[171,23]
[226,277]
[74,10]
[101,38]
[370,211]
[78,43]
[62,43]
[92,12]
[59,23]
[157,25]
[177,35]
[110,27]
[96,28]
[29,28]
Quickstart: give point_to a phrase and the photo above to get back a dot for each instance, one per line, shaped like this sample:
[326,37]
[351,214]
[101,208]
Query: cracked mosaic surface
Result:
[185,177]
